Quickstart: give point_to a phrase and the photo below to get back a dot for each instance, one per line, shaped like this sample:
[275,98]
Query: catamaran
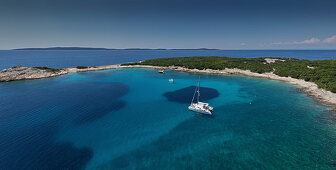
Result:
[200,107]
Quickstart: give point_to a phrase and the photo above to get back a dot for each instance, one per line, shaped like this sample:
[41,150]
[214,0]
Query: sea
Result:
[73,58]
[137,119]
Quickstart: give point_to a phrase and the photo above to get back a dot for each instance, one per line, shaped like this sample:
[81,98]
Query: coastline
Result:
[310,88]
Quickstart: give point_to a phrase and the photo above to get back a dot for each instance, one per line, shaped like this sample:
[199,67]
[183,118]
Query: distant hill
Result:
[195,49]
[89,48]
[63,48]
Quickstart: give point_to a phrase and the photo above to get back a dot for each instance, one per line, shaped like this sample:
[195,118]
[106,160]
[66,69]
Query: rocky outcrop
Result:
[27,73]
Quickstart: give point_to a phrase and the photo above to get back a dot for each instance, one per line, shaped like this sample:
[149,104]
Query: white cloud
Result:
[310,41]
[330,39]
[242,43]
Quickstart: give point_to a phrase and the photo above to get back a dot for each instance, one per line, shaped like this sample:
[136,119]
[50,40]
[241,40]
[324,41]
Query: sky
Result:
[221,24]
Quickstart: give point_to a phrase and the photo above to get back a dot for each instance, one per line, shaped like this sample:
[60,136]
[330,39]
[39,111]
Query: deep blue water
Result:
[68,58]
[137,119]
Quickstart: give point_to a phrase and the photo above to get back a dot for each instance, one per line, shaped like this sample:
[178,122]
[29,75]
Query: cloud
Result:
[243,44]
[310,41]
[330,39]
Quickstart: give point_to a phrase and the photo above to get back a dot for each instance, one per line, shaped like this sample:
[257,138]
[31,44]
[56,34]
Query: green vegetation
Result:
[17,66]
[82,67]
[321,72]
[47,69]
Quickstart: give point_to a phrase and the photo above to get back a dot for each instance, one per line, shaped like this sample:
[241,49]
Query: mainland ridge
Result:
[91,48]
[316,78]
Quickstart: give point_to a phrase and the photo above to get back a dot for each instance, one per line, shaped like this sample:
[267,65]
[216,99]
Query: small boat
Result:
[200,107]
[161,71]
[171,80]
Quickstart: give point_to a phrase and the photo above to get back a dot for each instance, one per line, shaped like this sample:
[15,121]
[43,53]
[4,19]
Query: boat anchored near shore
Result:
[200,107]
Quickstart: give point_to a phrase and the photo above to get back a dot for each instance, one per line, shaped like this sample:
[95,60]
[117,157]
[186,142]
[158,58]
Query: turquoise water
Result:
[123,119]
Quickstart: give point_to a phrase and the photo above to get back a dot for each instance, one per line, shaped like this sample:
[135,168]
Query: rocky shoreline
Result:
[28,73]
[310,88]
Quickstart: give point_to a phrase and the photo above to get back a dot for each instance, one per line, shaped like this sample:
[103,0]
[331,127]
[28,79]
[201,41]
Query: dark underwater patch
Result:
[94,100]
[97,111]
[34,148]
[87,100]
[185,95]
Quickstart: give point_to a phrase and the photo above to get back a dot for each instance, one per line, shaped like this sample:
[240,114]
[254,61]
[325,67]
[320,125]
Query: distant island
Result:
[91,48]
[194,49]
[63,48]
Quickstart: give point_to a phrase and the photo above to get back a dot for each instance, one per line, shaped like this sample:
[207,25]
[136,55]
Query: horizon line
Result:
[136,48]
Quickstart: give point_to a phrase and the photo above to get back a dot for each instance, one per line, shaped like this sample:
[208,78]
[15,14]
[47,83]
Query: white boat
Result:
[171,80]
[200,107]
[161,71]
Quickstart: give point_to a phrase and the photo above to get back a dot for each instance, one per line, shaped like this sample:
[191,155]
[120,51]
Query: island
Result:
[316,78]
[64,48]
[93,48]
[27,73]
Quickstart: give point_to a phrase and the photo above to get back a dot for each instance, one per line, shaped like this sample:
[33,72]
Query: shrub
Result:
[82,67]
[17,66]
[47,69]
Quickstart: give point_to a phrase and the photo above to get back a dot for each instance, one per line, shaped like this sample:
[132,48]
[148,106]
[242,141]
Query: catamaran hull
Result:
[199,107]
[200,111]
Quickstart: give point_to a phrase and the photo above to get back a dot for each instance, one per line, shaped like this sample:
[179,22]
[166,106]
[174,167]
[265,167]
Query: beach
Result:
[310,88]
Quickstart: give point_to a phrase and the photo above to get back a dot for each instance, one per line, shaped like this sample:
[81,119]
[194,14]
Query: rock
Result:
[27,73]
[272,60]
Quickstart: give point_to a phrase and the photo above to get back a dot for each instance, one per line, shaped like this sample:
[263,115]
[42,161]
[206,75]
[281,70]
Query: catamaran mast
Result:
[198,90]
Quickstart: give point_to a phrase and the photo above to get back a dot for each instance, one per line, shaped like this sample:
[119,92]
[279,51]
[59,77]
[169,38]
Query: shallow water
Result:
[123,119]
